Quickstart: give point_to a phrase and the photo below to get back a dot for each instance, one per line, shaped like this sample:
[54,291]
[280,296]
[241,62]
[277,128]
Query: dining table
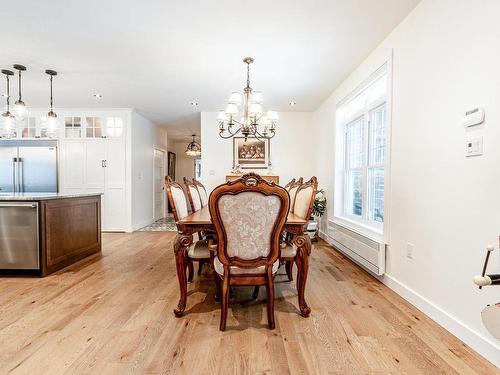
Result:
[200,221]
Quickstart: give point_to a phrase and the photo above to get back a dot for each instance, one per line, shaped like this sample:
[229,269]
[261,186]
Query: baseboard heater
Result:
[363,250]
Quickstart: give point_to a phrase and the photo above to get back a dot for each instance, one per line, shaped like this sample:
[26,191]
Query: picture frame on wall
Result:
[171,165]
[252,153]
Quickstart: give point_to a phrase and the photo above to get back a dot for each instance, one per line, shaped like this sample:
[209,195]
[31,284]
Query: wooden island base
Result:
[69,229]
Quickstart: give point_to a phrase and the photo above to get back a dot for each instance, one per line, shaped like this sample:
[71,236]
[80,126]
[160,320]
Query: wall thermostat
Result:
[473,117]
[474,146]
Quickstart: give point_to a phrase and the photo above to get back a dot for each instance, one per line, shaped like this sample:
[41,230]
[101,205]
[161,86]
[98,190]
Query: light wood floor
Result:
[114,315]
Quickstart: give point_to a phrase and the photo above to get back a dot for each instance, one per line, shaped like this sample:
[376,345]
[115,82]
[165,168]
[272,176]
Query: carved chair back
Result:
[292,190]
[287,186]
[202,191]
[248,214]
[304,198]
[176,198]
[193,195]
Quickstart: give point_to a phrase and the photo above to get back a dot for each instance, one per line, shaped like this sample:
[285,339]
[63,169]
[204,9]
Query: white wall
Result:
[184,164]
[144,137]
[291,149]
[445,62]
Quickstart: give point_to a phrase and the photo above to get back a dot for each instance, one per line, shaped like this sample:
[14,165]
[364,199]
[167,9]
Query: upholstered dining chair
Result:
[248,214]
[303,204]
[292,190]
[201,191]
[199,250]
[288,185]
[193,195]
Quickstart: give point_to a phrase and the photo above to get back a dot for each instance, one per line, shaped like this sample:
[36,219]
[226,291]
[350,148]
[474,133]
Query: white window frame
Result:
[370,228]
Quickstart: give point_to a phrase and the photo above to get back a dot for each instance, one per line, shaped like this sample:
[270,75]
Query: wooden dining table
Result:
[200,221]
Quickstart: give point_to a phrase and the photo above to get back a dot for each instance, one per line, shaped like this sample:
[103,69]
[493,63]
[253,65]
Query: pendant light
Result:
[19,106]
[51,115]
[193,148]
[8,120]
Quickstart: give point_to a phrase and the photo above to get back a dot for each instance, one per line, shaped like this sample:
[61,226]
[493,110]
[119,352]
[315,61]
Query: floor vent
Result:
[363,250]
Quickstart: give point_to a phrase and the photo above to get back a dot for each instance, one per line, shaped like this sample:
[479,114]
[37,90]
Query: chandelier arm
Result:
[231,134]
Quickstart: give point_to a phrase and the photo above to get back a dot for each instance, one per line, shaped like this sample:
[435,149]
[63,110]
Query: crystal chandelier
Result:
[193,148]
[8,121]
[253,123]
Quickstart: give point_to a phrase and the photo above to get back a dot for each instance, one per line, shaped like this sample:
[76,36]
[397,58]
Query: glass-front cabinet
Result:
[72,124]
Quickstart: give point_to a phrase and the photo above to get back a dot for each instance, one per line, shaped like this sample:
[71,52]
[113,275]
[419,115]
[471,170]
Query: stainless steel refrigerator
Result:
[28,166]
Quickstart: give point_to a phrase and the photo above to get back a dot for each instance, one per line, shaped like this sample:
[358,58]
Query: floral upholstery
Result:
[219,268]
[179,202]
[203,196]
[248,219]
[199,250]
[303,201]
[195,196]
[292,193]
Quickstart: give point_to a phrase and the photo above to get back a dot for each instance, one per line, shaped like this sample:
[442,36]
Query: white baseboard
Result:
[476,340]
[142,224]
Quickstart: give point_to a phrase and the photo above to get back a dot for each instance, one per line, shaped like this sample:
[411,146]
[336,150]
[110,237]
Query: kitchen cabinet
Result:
[98,166]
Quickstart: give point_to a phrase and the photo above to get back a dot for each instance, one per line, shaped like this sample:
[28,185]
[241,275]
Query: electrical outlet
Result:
[410,248]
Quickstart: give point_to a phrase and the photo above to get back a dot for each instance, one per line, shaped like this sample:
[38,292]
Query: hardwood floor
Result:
[114,315]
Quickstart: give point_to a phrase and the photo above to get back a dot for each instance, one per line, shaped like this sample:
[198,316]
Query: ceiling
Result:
[158,56]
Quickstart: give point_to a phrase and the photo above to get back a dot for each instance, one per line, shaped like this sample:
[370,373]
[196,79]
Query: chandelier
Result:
[253,122]
[193,148]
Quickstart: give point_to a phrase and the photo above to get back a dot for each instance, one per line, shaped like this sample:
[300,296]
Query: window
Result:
[73,127]
[94,127]
[114,127]
[361,154]
[28,127]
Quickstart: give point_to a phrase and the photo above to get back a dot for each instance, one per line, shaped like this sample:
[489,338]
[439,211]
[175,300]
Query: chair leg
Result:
[191,270]
[289,269]
[200,267]
[218,287]
[224,303]
[270,299]
[255,293]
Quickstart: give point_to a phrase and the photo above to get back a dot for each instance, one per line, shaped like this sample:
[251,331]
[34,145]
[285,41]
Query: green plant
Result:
[319,206]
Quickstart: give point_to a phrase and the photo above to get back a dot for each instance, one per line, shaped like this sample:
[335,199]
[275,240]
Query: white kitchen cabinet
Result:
[98,166]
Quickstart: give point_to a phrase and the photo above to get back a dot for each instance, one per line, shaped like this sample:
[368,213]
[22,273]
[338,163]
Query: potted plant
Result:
[318,209]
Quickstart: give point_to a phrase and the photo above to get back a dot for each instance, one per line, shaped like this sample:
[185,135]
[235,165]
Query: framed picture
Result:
[171,165]
[252,154]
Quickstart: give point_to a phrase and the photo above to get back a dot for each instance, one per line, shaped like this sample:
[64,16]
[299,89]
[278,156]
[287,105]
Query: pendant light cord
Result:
[20,86]
[8,93]
[51,93]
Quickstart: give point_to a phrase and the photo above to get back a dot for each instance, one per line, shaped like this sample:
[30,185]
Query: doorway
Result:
[159,184]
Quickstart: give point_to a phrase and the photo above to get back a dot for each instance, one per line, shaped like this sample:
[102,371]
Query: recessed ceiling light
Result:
[97,95]
[292,103]
[193,104]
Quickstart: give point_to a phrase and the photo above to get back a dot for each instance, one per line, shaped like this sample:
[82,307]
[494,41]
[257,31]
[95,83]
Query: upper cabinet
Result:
[74,124]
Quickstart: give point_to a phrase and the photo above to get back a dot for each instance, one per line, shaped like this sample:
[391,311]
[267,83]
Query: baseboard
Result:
[477,341]
[142,224]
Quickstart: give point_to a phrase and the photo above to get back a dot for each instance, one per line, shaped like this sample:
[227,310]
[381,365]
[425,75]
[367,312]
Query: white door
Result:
[159,184]
[114,206]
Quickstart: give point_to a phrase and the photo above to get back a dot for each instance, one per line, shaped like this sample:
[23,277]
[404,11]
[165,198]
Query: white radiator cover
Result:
[361,249]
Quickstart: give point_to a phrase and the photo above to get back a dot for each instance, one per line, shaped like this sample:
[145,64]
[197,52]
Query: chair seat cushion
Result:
[289,251]
[199,250]
[219,268]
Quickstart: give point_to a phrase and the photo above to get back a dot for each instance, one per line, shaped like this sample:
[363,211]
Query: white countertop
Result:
[42,196]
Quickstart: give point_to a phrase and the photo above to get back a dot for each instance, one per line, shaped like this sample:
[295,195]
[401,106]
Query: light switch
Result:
[211,172]
[474,146]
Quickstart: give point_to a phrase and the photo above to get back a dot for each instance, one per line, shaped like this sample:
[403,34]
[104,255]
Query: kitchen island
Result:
[41,233]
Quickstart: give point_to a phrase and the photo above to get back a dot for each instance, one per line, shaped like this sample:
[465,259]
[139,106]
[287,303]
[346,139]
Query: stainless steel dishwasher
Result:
[19,236]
